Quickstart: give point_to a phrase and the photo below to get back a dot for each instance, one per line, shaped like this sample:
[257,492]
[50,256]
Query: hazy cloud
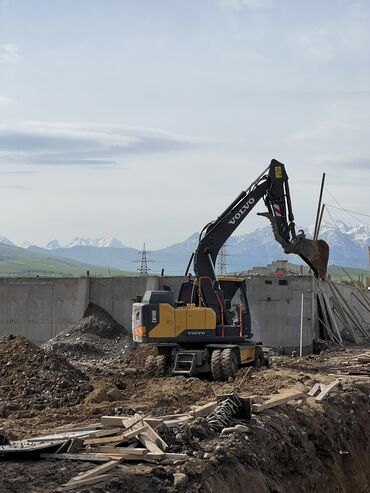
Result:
[9,54]
[249,4]
[84,144]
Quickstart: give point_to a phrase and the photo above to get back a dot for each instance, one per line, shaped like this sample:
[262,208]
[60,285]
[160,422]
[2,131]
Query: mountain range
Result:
[348,247]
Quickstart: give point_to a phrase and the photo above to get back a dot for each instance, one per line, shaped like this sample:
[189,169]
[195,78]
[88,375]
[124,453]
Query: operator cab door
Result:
[237,304]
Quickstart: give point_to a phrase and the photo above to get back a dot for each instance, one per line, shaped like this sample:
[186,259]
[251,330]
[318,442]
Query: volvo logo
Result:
[242,211]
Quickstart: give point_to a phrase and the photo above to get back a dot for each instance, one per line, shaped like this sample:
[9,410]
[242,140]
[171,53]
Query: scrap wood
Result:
[277,400]
[97,471]
[121,451]
[149,438]
[84,482]
[151,456]
[82,456]
[205,410]
[326,389]
[106,433]
[172,423]
[123,437]
[314,389]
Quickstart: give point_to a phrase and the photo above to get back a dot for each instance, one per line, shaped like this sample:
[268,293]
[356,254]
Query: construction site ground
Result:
[301,446]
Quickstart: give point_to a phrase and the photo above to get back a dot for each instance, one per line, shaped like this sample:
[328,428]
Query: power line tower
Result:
[222,260]
[143,260]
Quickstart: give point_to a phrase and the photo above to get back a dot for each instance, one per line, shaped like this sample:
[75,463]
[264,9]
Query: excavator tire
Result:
[229,363]
[259,359]
[216,365]
[160,362]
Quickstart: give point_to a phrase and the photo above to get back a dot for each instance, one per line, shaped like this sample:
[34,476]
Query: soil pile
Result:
[95,337]
[31,378]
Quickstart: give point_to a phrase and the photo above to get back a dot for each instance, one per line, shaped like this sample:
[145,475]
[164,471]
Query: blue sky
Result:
[144,119]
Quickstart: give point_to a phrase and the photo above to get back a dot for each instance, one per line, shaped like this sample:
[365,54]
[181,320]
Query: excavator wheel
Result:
[155,366]
[259,360]
[160,361]
[229,363]
[216,365]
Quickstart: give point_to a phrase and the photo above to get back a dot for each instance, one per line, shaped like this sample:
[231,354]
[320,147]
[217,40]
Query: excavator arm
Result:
[272,185]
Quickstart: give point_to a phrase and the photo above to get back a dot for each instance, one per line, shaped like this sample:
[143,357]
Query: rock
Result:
[179,437]
[180,480]
[235,429]
[114,395]
[207,455]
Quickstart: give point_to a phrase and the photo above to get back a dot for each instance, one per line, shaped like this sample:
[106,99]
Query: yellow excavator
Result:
[208,328]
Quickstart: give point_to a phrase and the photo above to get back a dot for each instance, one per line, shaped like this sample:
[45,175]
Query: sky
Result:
[144,119]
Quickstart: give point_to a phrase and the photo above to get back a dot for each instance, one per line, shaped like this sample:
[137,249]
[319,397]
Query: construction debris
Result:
[325,390]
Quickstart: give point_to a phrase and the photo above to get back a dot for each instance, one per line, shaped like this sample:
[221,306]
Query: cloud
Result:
[9,54]
[4,100]
[246,4]
[84,144]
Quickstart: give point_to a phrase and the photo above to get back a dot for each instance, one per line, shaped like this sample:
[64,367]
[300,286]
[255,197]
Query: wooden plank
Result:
[153,422]
[82,457]
[204,410]
[150,438]
[106,433]
[112,420]
[85,482]
[353,377]
[332,317]
[121,451]
[97,471]
[277,400]
[173,423]
[325,390]
[103,440]
[314,390]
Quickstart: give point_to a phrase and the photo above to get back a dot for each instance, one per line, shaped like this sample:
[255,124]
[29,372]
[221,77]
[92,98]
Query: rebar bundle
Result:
[221,416]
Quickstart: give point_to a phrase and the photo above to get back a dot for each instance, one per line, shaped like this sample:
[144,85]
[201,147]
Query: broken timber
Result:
[277,400]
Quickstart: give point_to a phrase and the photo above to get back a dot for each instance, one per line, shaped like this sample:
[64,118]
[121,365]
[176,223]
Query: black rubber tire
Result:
[259,359]
[160,362]
[216,365]
[229,363]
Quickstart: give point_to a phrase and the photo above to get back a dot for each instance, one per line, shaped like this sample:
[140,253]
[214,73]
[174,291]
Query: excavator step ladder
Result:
[184,363]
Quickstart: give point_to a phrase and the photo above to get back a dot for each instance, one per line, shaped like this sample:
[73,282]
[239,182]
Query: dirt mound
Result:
[97,336]
[31,378]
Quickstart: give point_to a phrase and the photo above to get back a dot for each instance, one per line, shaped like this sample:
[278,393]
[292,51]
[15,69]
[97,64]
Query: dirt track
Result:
[313,447]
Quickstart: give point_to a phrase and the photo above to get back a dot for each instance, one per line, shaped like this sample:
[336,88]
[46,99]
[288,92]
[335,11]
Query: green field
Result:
[337,273]
[16,261]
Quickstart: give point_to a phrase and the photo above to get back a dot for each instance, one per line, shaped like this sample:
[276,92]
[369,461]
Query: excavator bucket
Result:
[315,253]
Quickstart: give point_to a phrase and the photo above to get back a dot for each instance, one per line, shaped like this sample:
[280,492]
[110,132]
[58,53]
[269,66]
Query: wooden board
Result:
[97,471]
[112,420]
[150,438]
[314,390]
[277,400]
[123,437]
[83,457]
[85,482]
[205,410]
[325,390]
[121,451]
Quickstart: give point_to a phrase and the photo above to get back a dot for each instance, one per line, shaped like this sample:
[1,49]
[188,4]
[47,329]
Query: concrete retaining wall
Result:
[39,308]
[275,304]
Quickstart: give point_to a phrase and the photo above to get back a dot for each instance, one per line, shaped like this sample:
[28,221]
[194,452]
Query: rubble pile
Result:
[31,378]
[95,337]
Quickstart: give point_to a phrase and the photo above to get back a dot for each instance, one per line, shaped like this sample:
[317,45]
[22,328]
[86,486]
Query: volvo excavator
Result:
[208,328]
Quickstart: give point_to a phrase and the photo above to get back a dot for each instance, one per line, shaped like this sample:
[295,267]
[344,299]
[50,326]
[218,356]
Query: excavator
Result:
[207,330]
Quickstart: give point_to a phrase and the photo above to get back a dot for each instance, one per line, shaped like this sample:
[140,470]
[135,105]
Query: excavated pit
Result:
[303,446]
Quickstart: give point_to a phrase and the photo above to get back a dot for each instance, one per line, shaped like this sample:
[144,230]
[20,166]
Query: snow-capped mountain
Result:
[348,247]
[6,241]
[53,244]
[104,242]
